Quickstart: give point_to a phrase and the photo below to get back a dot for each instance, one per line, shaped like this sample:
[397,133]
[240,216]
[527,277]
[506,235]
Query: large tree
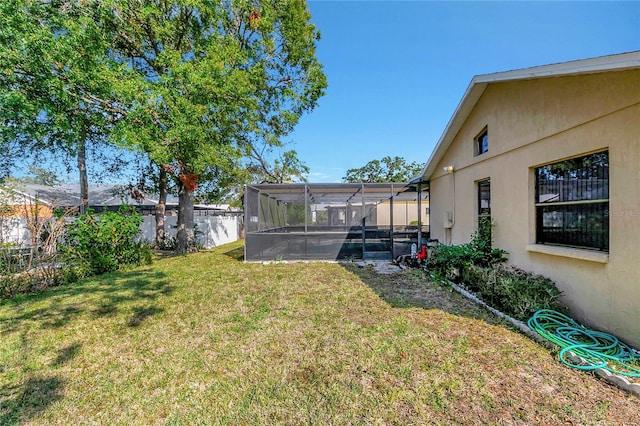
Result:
[193,84]
[388,169]
[205,80]
[51,67]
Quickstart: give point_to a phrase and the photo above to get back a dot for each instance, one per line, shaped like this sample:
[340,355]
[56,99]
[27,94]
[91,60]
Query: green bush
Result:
[10,285]
[452,261]
[513,291]
[476,264]
[475,277]
[36,279]
[96,244]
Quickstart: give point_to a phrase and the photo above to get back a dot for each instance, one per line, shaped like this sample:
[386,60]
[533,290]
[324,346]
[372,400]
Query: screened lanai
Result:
[334,221]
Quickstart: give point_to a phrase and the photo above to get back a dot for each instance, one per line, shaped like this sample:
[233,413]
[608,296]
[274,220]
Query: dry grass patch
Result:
[206,339]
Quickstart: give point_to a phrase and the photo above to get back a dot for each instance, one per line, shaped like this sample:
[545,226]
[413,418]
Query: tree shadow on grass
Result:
[414,289]
[101,296]
[136,291]
[19,403]
[142,313]
[66,354]
[236,253]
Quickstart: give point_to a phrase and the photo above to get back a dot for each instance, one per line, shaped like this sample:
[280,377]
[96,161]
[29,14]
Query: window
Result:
[572,201]
[484,210]
[484,198]
[482,142]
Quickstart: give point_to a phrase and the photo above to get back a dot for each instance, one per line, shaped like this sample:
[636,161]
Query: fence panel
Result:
[212,231]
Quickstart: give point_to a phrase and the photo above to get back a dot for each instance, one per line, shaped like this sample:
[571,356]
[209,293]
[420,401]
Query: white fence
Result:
[211,231]
[14,230]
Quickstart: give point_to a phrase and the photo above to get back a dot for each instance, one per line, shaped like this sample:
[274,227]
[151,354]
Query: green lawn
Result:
[207,339]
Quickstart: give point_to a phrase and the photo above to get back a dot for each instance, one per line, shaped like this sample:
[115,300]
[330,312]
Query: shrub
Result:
[476,264]
[10,285]
[481,244]
[513,291]
[10,258]
[475,277]
[103,243]
[452,261]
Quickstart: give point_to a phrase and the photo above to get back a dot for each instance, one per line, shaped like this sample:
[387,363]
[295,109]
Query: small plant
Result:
[482,244]
[170,243]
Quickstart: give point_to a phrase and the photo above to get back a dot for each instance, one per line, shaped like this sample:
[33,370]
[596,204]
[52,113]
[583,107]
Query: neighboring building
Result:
[552,153]
[404,213]
[216,224]
[101,198]
[19,204]
[16,210]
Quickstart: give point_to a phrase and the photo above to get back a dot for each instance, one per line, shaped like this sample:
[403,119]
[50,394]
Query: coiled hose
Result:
[599,349]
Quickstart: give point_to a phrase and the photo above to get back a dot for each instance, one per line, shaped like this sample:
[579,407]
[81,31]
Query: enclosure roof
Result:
[337,192]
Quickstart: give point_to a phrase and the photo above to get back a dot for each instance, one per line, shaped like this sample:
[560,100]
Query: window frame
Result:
[579,208]
[479,145]
[486,183]
[483,217]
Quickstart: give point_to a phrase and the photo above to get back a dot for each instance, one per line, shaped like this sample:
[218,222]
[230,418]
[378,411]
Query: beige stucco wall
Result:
[404,212]
[536,122]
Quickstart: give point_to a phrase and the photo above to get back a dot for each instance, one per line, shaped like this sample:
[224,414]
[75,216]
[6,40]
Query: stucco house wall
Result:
[538,121]
[404,212]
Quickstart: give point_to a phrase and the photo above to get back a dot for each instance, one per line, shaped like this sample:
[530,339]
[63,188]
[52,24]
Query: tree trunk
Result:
[186,242]
[84,181]
[161,208]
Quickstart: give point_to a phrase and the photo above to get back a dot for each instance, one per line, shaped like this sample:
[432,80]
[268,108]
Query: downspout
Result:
[419,216]
[306,218]
[364,235]
[391,222]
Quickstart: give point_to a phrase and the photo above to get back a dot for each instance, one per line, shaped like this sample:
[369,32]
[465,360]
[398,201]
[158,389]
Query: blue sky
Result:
[397,70]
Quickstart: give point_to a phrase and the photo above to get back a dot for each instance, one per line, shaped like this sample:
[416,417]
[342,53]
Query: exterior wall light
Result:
[447,169]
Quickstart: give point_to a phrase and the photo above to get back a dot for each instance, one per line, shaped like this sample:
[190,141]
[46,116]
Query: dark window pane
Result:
[558,187]
[576,225]
[577,179]
[484,197]
[482,143]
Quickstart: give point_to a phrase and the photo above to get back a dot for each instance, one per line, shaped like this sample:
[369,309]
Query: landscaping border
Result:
[613,379]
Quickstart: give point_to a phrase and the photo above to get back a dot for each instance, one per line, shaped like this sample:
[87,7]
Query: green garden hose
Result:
[599,349]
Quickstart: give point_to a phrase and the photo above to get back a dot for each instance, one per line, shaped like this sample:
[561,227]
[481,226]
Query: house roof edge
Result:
[477,86]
